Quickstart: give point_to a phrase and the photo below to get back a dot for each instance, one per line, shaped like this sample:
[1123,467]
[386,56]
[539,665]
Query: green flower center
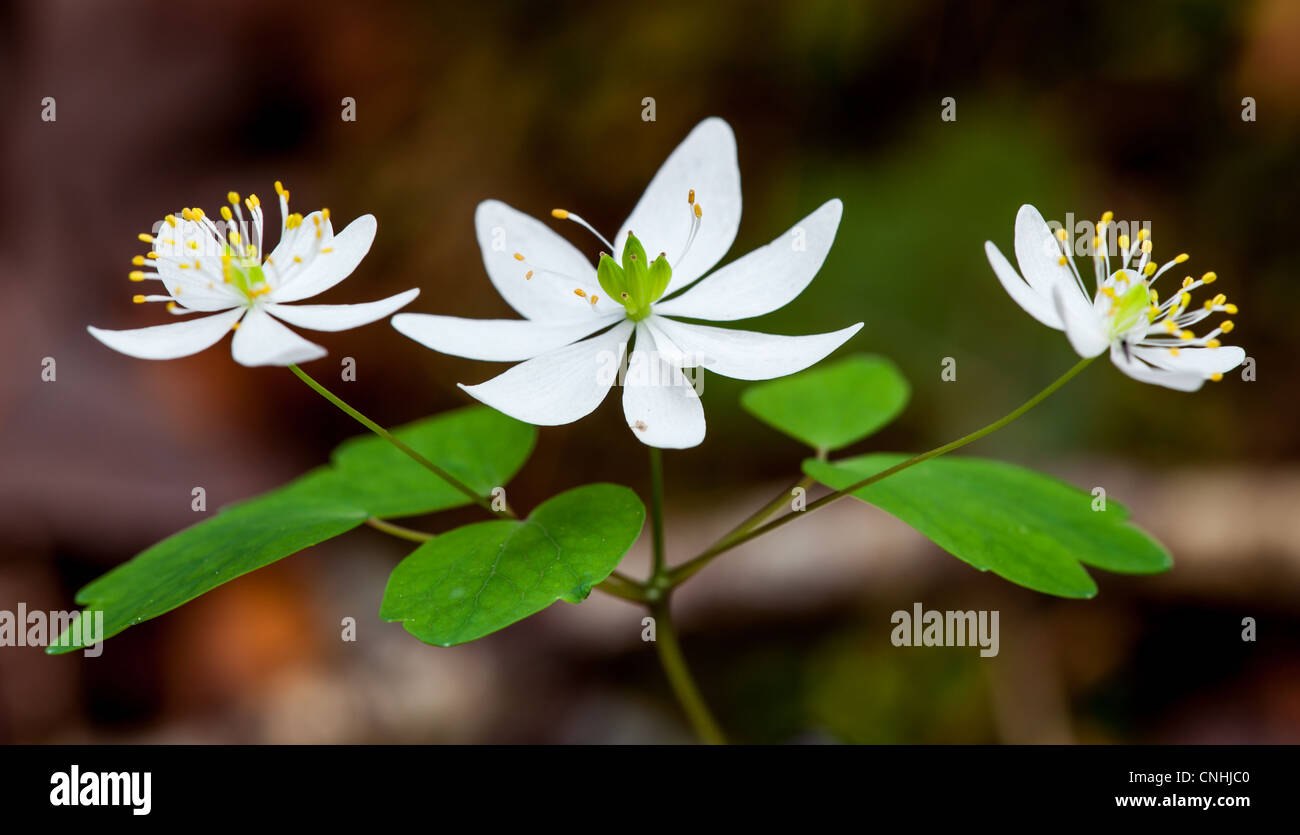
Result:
[1132,306]
[638,283]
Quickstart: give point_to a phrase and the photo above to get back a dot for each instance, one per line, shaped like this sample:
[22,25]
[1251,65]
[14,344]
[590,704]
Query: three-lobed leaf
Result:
[1026,527]
[834,405]
[367,477]
[482,577]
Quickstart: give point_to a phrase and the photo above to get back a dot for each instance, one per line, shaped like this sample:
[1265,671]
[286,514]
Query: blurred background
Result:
[1073,106]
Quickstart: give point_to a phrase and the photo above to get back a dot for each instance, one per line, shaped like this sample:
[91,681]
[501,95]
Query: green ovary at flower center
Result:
[638,283]
[245,275]
[1130,308]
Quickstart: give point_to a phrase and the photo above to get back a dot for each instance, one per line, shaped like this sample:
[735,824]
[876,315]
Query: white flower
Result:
[689,214]
[1149,340]
[206,267]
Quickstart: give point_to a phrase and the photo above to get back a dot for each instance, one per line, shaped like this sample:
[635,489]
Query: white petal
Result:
[1039,254]
[199,288]
[661,406]
[748,355]
[261,340]
[558,267]
[1138,370]
[766,279]
[339,317]
[165,342]
[1202,361]
[1085,329]
[560,386]
[302,242]
[705,162]
[1041,308]
[321,271]
[498,340]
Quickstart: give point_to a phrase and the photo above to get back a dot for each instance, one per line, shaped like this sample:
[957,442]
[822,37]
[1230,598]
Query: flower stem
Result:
[398,531]
[657,509]
[679,676]
[689,568]
[388,436]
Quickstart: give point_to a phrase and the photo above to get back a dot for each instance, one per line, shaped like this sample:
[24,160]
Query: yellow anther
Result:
[1149,269]
[1155,297]
[560,214]
[1185,300]
[198,214]
[1062,235]
[1209,304]
[1186,335]
[1230,308]
[1181,257]
[136,275]
[1187,282]
[279,187]
[193,245]
[1209,278]
[187,214]
[138,260]
[234,237]
[1146,246]
[698,211]
[1173,352]
[1227,326]
[1061,261]
[528,274]
[183,266]
[690,197]
[1216,377]
[1219,299]
[138,299]
[1109,291]
[297,259]
[1144,233]
[327,250]
[293,221]
[177,291]
[171,307]
[171,220]
[1170,326]
[324,214]
[153,255]
[519,256]
[1096,241]
[233,197]
[1107,217]
[145,237]
[1123,241]
[1213,343]
[226,214]
[594,297]
[579,293]
[235,327]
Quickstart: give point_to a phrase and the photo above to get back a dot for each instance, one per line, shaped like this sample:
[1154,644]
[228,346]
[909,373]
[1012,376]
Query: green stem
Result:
[388,436]
[692,566]
[657,509]
[624,587]
[679,676]
[410,534]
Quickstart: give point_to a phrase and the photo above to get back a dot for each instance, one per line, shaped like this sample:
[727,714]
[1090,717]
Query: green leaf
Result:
[239,539]
[483,577]
[367,477]
[832,406]
[480,446]
[1023,526]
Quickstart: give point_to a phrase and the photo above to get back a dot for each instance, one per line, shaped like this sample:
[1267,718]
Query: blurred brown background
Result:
[1073,106]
